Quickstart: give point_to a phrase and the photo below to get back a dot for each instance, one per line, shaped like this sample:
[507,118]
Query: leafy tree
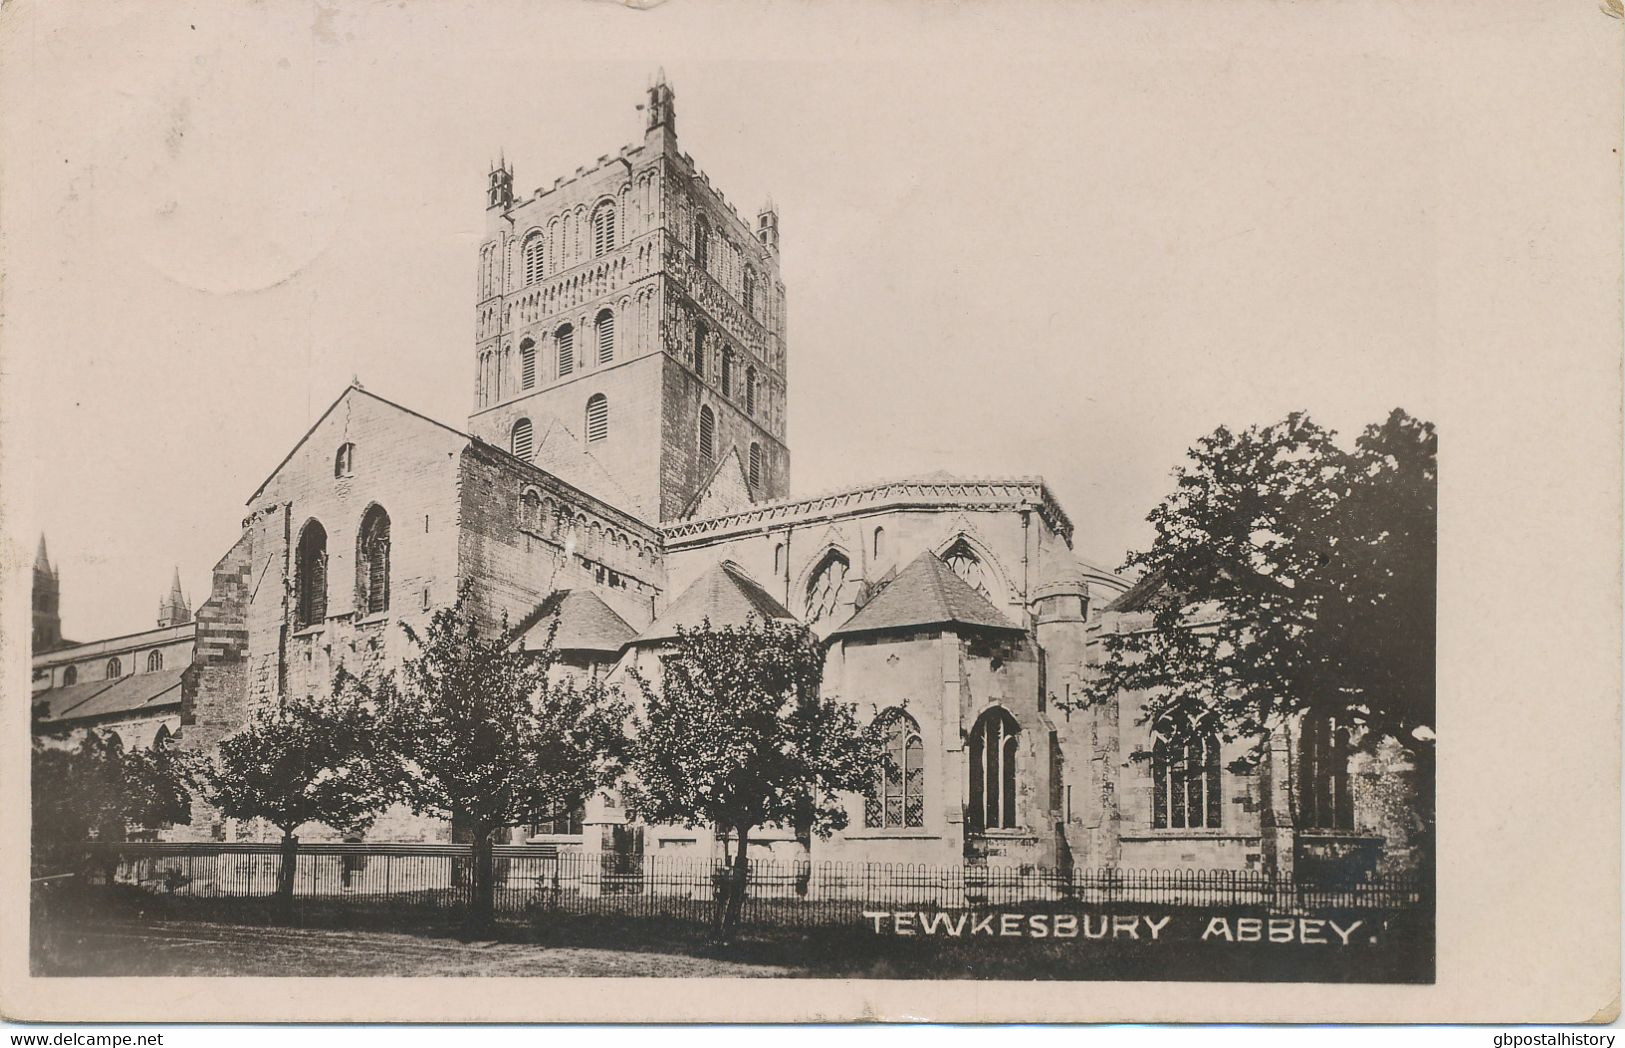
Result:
[486,739]
[309,760]
[1287,576]
[737,736]
[99,790]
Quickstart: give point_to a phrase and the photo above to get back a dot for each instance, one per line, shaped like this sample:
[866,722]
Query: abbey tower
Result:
[630,310]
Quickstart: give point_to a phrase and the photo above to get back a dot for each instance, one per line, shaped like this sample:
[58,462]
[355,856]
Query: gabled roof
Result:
[586,623]
[724,596]
[726,490]
[353,389]
[127,694]
[560,452]
[926,593]
[1144,594]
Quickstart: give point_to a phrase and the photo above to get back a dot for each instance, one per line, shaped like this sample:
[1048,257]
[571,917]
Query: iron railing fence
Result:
[531,881]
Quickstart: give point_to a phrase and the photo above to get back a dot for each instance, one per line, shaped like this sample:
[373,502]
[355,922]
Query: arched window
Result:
[968,566]
[699,349]
[606,336]
[880,542]
[778,558]
[702,241]
[530,511]
[527,363]
[519,439]
[750,391]
[155,661]
[899,791]
[708,435]
[372,562]
[825,590]
[1324,800]
[750,290]
[115,668]
[344,461]
[566,338]
[70,676]
[727,371]
[161,739]
[993,744]
[1185,783]
[755,465]
[597,417]
[310,576]
[603,229]
[531,256]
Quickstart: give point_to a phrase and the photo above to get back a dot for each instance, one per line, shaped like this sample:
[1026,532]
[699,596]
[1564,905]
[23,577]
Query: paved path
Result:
[122,947]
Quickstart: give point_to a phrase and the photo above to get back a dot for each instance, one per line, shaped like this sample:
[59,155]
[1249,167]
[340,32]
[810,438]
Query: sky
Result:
[1066,244]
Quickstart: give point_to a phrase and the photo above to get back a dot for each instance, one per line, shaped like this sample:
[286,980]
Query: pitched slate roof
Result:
[127,694]
[586,623]
[725,595]
[1144,595]
[926,593]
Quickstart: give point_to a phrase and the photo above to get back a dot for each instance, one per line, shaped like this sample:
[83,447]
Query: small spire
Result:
[42,562]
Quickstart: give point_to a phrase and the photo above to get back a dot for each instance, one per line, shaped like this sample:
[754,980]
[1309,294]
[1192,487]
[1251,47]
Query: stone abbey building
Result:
[626,447]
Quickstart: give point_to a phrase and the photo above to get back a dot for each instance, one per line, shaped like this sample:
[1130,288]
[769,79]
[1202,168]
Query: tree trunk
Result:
[482,896]
[736,887]
[286,874]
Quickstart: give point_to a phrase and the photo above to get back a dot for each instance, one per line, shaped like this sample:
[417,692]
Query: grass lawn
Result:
[135,933]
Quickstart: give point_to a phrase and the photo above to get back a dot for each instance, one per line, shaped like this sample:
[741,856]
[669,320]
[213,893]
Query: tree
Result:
[1290,576]
[310,760]
[737,736]
[99,790]
[483,737]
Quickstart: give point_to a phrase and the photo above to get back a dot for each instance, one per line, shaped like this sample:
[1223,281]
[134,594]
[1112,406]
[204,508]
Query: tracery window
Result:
[372,561]
[899,791]
[968,566]
[1185,783]
[155,661]
[1324,799]
[115,668]
[310,578]
[824,591]
[993,753]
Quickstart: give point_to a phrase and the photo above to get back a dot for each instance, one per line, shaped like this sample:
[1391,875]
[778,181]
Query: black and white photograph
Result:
[592,492]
